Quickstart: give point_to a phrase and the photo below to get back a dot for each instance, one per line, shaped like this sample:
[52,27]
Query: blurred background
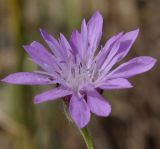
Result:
[135,119]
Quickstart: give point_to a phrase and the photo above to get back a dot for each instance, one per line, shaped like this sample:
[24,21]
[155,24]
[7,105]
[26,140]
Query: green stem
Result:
[87,137]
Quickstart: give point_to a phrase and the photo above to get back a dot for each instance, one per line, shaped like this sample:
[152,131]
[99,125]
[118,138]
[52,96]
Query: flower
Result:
[79,72]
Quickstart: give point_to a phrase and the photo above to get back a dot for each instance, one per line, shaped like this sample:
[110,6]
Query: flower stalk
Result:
[87,137]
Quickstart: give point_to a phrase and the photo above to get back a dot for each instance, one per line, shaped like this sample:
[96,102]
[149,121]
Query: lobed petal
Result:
[42,57]
[94,27]
[52,95]
[119,48]
[79,111]
[84,39]
[54,45]
[51,41]
[65,45]
[109,62]
[118,83]
[133,67]
[115,55]
[126,42]
[102,57]
[97,104]
[75,42]
[28,78]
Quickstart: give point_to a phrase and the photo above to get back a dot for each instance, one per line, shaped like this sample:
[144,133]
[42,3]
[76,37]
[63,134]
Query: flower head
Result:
[79,71]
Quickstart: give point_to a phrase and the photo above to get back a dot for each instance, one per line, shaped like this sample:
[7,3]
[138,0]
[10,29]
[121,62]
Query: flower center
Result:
[79,75]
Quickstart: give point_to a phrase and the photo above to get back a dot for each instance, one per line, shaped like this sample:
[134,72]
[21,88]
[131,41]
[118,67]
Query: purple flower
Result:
[79,72]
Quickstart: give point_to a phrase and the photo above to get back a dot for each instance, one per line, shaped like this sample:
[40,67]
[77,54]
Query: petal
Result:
[79,111]
[79,41]
[101,57]
[119,49]
[52,95]
[47,36]
[118,83]
[53,44]
[65,45]
[97,104]
[28,78]
[84,39]
[42,57]
[109,62]
[94,27]
[126,42]
[133,67]
[75,42]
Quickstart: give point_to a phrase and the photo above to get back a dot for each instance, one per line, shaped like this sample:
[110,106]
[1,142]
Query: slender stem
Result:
[87,137]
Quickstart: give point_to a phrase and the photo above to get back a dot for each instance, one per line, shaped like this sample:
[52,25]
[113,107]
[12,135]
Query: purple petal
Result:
[84,39]
[133,67]
[94,27]
[103,53]
[65,45]
[119,49]
[126,42]
[75,42]
[79,111]
[53,44]
[27,78]
[47,36]
[111,41]
[79,41]
[52,95]
[118,83]
[42,57]
[108,64]
[97,104]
